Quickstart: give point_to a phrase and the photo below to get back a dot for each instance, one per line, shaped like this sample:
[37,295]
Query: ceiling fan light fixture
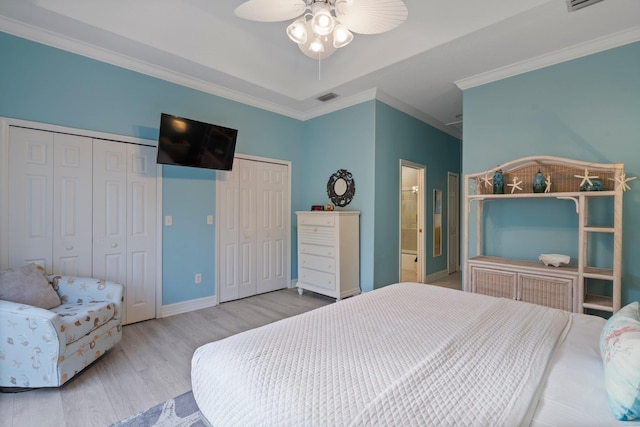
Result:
[341,36]
[322,22]
[316,46]
[297,31]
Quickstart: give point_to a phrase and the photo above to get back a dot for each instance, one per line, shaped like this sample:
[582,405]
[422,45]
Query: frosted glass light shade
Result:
[297,31]
[322,22]
[316,45]
[341,36]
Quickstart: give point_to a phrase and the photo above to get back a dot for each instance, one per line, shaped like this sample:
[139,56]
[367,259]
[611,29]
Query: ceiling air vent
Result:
[574,5]
[327,97]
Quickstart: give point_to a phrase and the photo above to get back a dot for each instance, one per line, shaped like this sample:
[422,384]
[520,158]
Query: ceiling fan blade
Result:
[271,10]
[371,16]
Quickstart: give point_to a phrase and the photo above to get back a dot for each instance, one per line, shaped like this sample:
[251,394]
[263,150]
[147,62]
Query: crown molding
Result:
[417,114]
[58,41]
[74,46]
[631,35]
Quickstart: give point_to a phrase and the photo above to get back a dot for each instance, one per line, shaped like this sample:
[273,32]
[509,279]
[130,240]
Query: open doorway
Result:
[453,219]
[412,222]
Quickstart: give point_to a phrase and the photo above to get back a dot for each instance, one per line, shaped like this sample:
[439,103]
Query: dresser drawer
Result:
[321,220]
[316,234]
[317,278]
[326,251]
[326,264]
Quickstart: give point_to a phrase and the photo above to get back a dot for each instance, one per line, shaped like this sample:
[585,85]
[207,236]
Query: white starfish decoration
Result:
[487,180]
[586,177]
[622,182]
[516,184]
[547,182]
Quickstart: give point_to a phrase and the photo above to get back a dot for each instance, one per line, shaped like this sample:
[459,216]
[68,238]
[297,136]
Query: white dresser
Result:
[329,252]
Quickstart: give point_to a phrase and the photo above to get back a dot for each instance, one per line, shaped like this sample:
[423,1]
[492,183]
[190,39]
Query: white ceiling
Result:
[418,67]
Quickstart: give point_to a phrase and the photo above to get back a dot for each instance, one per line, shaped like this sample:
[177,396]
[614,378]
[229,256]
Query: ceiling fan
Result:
[322,26]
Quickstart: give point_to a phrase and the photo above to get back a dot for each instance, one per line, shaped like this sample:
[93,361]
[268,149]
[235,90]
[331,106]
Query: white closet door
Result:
[237,231]
[30,198]
[252,206]
[227,232]
[72,207]
[247,171]
[271,233]
[141,233]
[109,210]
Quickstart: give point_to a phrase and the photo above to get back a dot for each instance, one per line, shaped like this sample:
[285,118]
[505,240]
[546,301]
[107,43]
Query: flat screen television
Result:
[186,142]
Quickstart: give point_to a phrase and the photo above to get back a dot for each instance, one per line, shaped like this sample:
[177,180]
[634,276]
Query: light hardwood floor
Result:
[152,363]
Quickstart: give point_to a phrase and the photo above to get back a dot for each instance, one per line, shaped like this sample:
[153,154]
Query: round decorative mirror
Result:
[341,188]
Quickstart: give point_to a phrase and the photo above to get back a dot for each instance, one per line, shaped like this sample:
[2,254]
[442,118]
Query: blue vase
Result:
[596,185]
[539,184]
[498,182]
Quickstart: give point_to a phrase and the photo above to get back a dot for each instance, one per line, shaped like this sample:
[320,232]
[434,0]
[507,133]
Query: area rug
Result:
[180,411]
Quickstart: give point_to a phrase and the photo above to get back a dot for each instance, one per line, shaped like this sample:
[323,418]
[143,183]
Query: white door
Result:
[271,233]
[30,198]
[125,223]
[72,207]
[252,205]
[227,193]
[141,233]
[237,231]
[453,220]
[109,211]
[50,201]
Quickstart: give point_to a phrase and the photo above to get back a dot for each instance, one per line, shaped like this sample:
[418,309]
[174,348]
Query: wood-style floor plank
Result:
[152,363]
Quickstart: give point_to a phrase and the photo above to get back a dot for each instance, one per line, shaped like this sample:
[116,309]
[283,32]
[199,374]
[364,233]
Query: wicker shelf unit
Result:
[567,287]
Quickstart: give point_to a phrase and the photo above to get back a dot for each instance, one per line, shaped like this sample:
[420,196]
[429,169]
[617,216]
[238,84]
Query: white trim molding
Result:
[584,49]
[187,306]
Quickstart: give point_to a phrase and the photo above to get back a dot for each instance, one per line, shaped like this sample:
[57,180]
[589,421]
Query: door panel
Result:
[31,198]
[227,205]
[247,237]
[141,236]
[72,206]
[109,210]
[271,256]
[252,208]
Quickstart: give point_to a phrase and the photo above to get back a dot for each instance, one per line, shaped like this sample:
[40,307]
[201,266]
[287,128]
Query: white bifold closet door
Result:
[49,216]
[85,207]
[124,209]
[252,208]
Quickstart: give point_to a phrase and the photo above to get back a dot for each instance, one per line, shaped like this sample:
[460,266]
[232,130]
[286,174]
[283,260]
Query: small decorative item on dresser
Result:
[317,207]
[329,207]
[539,183]
[554,259]
[498,182]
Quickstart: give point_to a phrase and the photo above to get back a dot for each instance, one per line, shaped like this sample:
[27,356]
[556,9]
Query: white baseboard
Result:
[437,276]
[187,306]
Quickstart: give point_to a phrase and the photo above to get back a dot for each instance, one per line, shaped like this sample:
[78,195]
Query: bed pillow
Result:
[28,285]
[620,350]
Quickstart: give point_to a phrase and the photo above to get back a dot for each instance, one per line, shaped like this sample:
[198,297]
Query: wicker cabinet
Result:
[525,281]
[329,253]
[593,281]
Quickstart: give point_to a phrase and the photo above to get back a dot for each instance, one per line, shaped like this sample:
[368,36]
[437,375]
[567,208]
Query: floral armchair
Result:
[46,347]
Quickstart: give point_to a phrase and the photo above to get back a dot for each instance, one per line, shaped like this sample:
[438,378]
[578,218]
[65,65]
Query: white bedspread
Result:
[407,354]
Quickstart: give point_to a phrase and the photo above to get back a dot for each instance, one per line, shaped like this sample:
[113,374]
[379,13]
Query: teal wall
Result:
[345,139]
[43,84]
[399,136]
[587,109]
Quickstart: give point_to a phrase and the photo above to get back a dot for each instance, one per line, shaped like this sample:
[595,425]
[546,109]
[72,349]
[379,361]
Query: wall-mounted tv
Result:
[186,142]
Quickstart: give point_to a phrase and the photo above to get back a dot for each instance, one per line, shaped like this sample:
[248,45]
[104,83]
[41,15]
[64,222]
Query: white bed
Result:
[409,354]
